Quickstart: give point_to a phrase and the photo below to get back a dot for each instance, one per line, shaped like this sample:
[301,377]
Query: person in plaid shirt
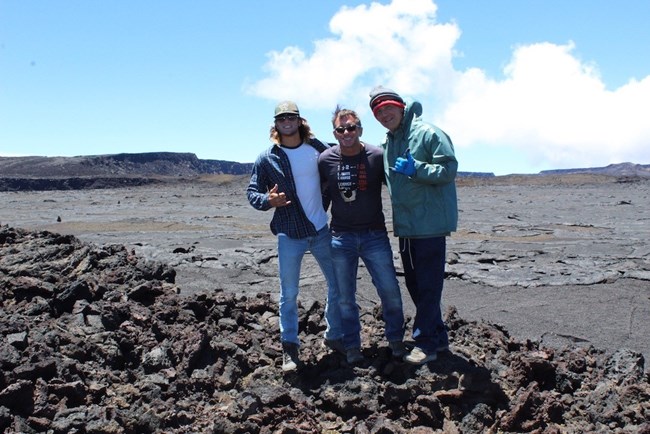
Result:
[285,177]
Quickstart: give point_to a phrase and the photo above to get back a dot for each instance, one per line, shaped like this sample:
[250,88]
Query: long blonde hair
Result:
[304,130]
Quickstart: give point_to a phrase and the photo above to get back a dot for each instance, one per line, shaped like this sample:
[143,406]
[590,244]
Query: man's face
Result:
[347,132]
[287,124]
[389,116]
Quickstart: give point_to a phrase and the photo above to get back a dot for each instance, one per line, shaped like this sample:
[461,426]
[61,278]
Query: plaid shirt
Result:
[272,167]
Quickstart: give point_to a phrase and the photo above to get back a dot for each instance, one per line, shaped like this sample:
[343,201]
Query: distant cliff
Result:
[140,164]
[125,170]
[108,171]
[618,170]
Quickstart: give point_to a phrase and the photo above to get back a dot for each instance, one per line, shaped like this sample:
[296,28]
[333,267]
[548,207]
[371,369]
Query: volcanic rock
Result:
[98,339]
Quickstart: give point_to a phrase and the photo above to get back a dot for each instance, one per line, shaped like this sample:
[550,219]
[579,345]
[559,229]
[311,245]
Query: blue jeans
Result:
[290,254]
[373,247]
[423,260]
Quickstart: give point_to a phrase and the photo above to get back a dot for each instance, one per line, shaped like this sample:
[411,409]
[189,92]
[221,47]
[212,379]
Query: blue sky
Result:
[520,85]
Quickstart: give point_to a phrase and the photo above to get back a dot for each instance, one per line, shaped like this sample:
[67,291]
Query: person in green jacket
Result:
[420,166]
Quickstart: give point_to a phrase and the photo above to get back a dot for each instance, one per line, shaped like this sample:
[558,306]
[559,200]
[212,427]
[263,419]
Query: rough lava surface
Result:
[97,339]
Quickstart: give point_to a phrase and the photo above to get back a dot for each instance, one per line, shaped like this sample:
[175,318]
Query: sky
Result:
[520,86]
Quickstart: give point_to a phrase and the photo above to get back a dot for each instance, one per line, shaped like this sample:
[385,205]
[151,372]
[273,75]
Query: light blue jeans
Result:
[290,254]
[373,247]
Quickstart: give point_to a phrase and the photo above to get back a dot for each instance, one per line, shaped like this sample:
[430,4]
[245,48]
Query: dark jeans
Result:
[423,260]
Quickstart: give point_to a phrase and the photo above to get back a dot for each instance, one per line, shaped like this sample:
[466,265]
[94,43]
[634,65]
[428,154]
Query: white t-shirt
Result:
[304,166]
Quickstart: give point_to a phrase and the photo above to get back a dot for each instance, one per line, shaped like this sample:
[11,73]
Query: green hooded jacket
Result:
[424,205]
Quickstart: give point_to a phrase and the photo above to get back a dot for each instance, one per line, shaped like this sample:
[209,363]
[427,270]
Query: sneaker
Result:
[418,356]
[398,349]
[353,355]
[290,358]
[443,348]
[335,345]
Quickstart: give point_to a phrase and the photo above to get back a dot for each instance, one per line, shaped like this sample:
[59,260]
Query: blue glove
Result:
[405,166]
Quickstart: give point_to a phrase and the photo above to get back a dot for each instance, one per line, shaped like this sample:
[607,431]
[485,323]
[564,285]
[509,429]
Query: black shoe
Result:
[353,356]
[398,349]
[335,345]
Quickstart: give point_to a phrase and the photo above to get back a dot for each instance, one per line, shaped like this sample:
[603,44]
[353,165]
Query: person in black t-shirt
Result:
[352,173]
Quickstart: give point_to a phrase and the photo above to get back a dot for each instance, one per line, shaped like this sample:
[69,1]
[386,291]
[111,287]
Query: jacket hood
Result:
[412,110]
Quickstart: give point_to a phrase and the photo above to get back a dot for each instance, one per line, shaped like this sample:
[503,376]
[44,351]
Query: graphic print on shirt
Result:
[351,175]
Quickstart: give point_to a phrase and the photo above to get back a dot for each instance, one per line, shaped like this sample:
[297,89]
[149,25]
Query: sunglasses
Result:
[286,118]
[349,129]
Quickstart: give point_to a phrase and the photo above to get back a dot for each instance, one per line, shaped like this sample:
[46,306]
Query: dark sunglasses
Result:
[349,129]
[286,118]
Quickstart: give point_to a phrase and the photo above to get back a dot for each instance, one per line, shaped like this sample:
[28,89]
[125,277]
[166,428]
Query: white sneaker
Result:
[290,358]
[418,356]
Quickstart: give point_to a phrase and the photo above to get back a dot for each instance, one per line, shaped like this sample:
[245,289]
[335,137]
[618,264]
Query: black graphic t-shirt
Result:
[351,175]
[353,184]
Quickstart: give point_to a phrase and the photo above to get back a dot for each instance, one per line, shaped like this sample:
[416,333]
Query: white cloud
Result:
[9,154]
[397,45]
[553,107]
[549,105]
